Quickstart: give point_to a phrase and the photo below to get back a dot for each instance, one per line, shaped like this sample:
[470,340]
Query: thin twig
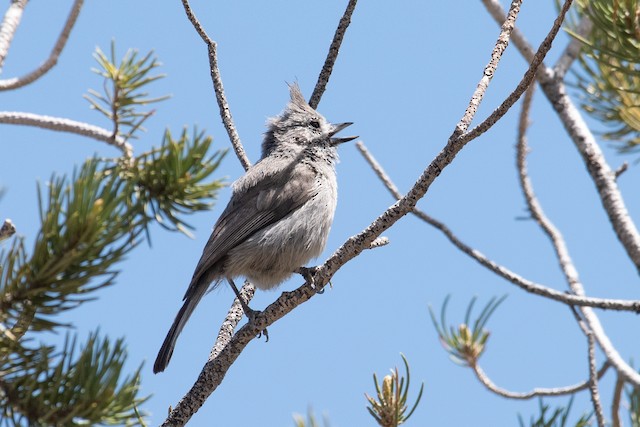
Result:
[603,177]
[593,374]
[223,105]
[52,60]
[8,27]
[572,51]
[562,252]
[505,273]
[379,242]
[332,55]
[582,137]
[66,125]
[615,403]
[536,392]
[7,230]
[528,77]
[621,169]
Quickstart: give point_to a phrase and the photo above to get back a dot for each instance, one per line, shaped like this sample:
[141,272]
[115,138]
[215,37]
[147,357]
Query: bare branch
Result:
[528,77]
[223,105]
[583,139]
[615,403]
[52,60]
[507,27]
[562,252]
[7,230]
[593,375]
[66,125]
[536,392]
[621,169]
[334,49]
[603,177]
[192,401]
[505,273]
[572,51]
[8,27]
[593,381]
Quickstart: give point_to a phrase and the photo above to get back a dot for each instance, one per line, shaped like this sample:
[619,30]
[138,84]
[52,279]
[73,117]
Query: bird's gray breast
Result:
[273,253]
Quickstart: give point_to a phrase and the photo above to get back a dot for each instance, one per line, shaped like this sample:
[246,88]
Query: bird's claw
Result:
[251,315]
[309,275]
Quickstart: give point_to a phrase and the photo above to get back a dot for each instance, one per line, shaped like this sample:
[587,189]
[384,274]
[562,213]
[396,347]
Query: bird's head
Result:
[300,127]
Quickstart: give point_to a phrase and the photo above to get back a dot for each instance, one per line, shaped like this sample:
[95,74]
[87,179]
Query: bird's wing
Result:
[256,206]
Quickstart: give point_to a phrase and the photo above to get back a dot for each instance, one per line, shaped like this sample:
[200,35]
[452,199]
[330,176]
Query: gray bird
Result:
[279,214]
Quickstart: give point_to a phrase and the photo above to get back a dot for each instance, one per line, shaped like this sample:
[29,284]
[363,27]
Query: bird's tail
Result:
[190,303]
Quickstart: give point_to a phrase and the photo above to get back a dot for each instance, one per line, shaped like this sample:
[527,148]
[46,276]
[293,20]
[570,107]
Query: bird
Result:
[279,215]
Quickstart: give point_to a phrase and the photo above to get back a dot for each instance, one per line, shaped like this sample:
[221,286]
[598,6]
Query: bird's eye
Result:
[315,124]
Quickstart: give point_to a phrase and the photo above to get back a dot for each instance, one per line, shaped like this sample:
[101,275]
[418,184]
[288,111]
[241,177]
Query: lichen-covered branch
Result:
[332,55]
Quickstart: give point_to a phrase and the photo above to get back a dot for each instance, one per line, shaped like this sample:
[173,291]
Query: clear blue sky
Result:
[404,76]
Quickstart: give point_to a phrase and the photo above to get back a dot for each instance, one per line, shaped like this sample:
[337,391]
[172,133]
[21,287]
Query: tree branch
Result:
[593,375]
[223,105]
[52,60]
[528,77]
[536,392]
[332,55]
[615,403]
[604,178]
[508,24]
[505,273]
[534,207]
[66,125]
[8,27]
[585,142]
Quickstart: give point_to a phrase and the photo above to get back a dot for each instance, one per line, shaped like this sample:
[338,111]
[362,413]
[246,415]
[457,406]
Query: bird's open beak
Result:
[337,128]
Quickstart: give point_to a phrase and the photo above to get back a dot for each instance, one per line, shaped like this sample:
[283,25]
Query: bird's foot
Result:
[309,275]
[251,315]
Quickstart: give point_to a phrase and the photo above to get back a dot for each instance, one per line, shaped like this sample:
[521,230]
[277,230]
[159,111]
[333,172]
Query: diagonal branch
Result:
[610,196]
[334,49]
[528,77]
[9,25]
[508,24]
[600,171]
[505,273]
[52,60]
[223,105]
[66,125]
[536,392]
